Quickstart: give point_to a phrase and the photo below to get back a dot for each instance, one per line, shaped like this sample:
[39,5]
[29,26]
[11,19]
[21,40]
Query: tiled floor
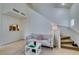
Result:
[17,48]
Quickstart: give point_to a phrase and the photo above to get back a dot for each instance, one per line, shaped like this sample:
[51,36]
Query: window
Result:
[72,22]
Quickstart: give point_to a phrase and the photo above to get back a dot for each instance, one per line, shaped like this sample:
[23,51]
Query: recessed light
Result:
[62,3]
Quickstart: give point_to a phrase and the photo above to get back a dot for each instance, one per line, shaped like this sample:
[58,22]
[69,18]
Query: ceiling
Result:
[54,5]
[57,11]
[62,5]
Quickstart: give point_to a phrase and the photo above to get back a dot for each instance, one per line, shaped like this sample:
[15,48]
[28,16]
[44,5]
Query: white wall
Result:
[25,28]
[60,16]
[39,24]
[10,36]
[35,23]
[75,16]
[0,20]
[0,23]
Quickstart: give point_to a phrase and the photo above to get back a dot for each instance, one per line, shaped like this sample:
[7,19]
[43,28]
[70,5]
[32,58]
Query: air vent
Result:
[15,13]
[23,14]
[15,10]
[18,12]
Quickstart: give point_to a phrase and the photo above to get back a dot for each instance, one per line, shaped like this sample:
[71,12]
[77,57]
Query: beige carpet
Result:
[17,48]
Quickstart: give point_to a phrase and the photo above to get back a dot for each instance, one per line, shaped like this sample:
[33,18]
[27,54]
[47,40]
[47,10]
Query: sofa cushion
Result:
[40,37]
[46,37]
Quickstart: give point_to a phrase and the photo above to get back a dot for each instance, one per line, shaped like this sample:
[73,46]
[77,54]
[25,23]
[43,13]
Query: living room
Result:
[43,22]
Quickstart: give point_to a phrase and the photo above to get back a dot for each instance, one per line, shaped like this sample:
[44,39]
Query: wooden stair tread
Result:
[69,45]
[64,35]
[62,38]
[66,40]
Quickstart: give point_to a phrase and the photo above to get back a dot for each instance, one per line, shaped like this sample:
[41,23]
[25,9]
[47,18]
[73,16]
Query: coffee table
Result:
[33,49]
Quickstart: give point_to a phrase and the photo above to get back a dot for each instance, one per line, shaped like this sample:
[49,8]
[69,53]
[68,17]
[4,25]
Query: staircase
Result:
[67,43]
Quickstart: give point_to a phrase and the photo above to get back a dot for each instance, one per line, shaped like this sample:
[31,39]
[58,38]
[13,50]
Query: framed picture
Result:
[13,27]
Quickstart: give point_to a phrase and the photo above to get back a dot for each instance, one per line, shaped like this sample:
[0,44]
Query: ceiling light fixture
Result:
[62,3]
